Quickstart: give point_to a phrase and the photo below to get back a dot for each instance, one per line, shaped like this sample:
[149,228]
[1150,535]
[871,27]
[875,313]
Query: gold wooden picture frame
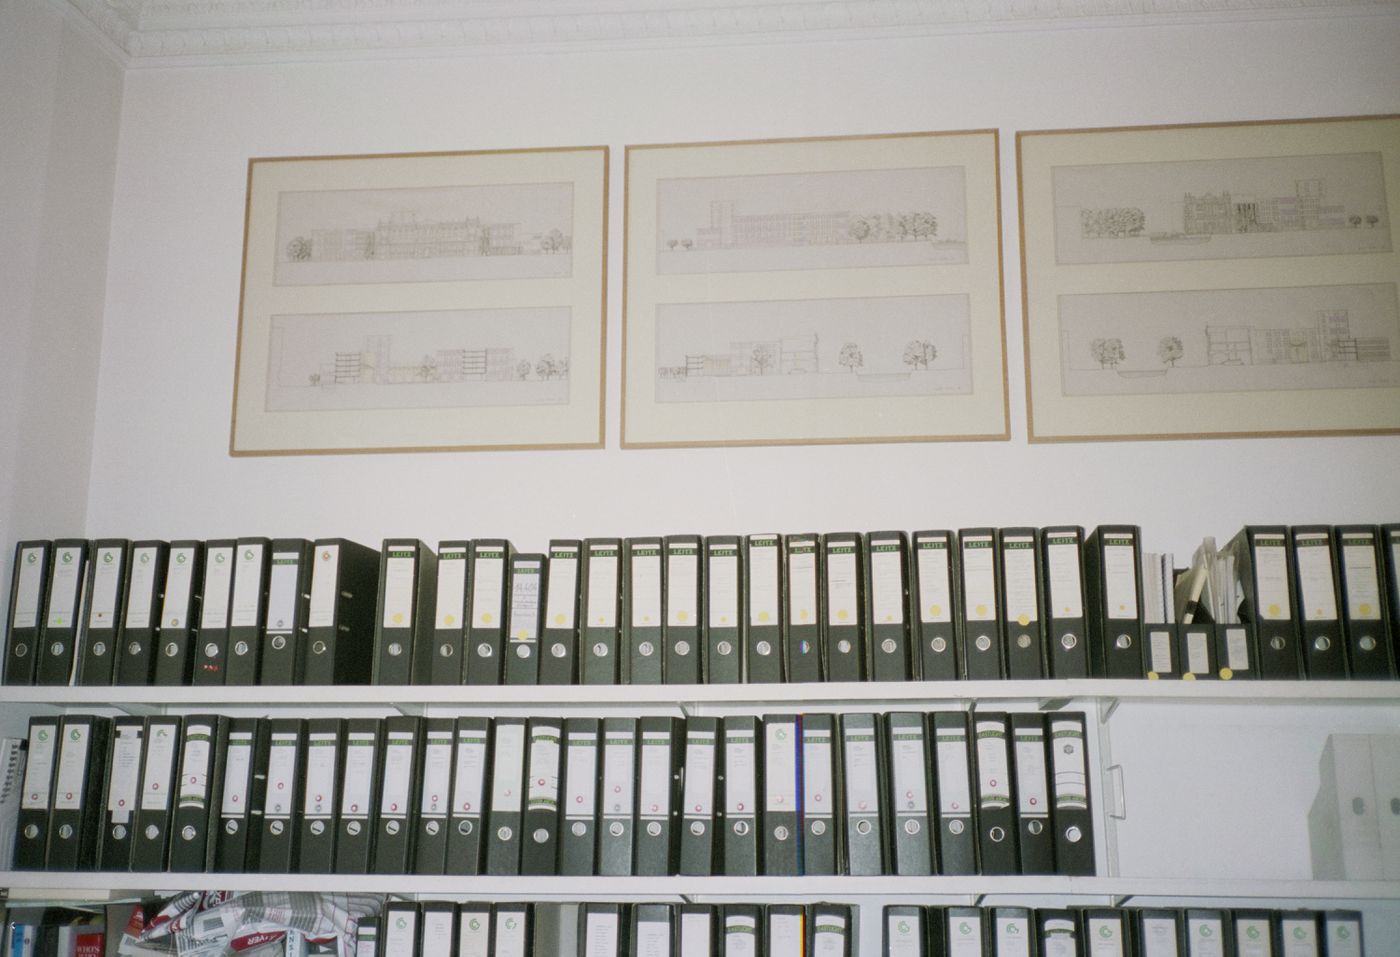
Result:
[423,302]
[1211,281]
[806,291]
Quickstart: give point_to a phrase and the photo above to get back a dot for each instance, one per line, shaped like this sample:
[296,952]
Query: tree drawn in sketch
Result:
[549,367]
[1169,350]
[919,353]
[860,229]
[299,250]
[762,358]
[1107,352]
[1113,221]
[522,369]
[314,378]
[427,369]
[851,356]
[553,241]
[1372,220]
[1355,220]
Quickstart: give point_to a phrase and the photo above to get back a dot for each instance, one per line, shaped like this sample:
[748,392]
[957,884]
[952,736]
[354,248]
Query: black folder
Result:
[1035,837]
[438,929]
[399,786]
[435,797]
[340,621]
[1207,929]
[1389,543]
[1109,931]
[802,658]
[578,835]
[281,806]
[1298,933]
[488,598]
[598,633]
[181,611]
[821,792]
[36,804]
[661,748]
[511,930]
[136,639]
[1073,815]
[1341,930]
[1236,652]
[473,929]
[559,654]
[996,810]
[203,746]
[360,782]
[540,824]
[741,777]
[1161,648]
[450,615]
[724,612]
[288,611]
[933,597]
[782,795]
[1315,602]
[122,791]
[75,821]
[643,585]
[1112,577]
[58,629]
[702,760]
[1012,931]
[1263,558]
[325,761]
[1362,600]
[904,932]
[908,757]
[29,589]
[1195,651]
[245,753]
[1022,602]
[215,598]
[764,596]
[403,619]
[982,643]
[617,801]
[680,627]
[866,788]
[505,814]
[957,831]
[886,606]
[1066,635]
[1251,929]
[401,929]
[964,930]
[247,612]
[843,607]
[526,622]
[469,778]
[155,812]
[104,603]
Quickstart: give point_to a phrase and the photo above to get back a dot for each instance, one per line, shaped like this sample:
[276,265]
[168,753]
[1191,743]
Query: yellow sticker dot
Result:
[1152,676]
[398,618]
[522,634]
[889,618]
[803,614]
[1188,677]
[682,616]
[981,610]
[935,609]
[842,615]
[1365,609]
[486,618]
[1227,673]
[763,617]
[449,619]
[724,619]
[1273,611]
[1023,619]
[559,619]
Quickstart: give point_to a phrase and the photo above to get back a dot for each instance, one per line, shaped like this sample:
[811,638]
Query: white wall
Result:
[160,466]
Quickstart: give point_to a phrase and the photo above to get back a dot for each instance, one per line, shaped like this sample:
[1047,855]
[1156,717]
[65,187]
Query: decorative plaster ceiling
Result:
[165,32]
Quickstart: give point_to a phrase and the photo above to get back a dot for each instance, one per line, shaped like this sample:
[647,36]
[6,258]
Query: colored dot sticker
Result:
[843,615]
[1152,676]
[1365,609]
[486,617]
[1273,611]
[682,616]
[981,610]
[522,634]
[1024,619]
[935,609]
[763,617]
[803,614]
[1227,673]
[449,619]
[398,618]
[559,619]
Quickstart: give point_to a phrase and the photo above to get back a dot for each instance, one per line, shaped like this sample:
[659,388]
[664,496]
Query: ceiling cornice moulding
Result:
[171,32]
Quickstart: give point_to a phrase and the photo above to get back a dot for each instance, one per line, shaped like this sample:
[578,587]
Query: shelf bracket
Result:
[1053,704]
[1106,708]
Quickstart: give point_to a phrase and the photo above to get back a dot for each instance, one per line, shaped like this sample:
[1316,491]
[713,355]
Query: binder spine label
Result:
[780,757]
[525,601]
[829,936]
[320,775]
[602,587]
[993,770]
[654,791]
[618,775]
[542,791]
[1018,575]
[437,774]
[979,578]
[359,775]
[1237,649]
[646,586]
[72,769]
[1315,591]
[470,780]
[282,592]
[763,581]
[739,774]
[682,569]
[1120,576]
[247,587]
[398,774]
[1271,587]
[510,934]
[237,764]
[194,778]
[1032,797]
[126,774]
[179,576]
[802,584]
[1159,650]
[142,587]
[28,593]
[886,583]
[488,580]
[740,936]
[1363,580]
[954,786]
[281,776]
[1071,774]
[218,578]
[817,786]
[451,587]
[910,786]
[324,587]
[935,596]
[785,935]
[862,774]
[653,938]
[1012,933]
[562,588]
[106,586]
[841,594]
[63,591]
[1197,651]
[902,936]
[724,586]
[1066,582]
[600,934]
[400,568]
[38,771]
[581,776]
[160,756]
[695,935]
[699,796]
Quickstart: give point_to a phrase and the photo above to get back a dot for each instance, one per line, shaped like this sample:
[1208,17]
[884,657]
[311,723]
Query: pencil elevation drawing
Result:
[446,360]
[773,221]
[813,349]
[424,234]
[1230,340]
[1221,209]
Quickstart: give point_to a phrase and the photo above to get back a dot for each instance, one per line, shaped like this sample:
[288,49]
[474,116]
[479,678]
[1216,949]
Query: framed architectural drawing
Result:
[1212,281]
[423,302]
[810,291]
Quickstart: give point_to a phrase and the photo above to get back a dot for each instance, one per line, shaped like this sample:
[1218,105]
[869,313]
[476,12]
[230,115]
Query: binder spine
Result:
[450,613]
[1022,603]
[843,618]
[643,584]
[135,642]
[957,840]
[724,613]
[934,603]
[1113,571]
[866,791]
[29,592]
[247,746]
[907,757]
[617,811]
[1066,639]
[58,629]
[325,764]
[526,619]
[357,823]
[996,823]
[559,654]
[285,622]
[1368,639]
[203,746]
[702,761]
[886,606]
[658,775]
[248,611]
[1316,605]
[820,812]
[598,634]
[742,760]
[1263,559]
[488,601]
[471,759]
[764,599]
[681,625]
[122,787]
[104,609]
[181,611]
[578,834]
[505,814]
[216,596]
[402,568]
[398,794]
[340,622]
[782,795]
[982,639]
[802,658]
[430,846]
[540,853]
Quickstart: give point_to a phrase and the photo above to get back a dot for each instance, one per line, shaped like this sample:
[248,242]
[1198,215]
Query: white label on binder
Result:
[724,588]
[510,933]
[763,581]
[902,936]
[654,790]
[740,936]
[1066,582]
[1071,775]
[63,590]
[359,774]
[1013,936]
[695,935]
[993,765]
[653,938]
[1120,577]
[1206,938]
[451,588]
[141,588]
[600,934]
[602,589]
[1318,597]
[699,793]
[1299,938]
[1159,649]
[829,938]
[1363,581]
[247,587]
[581,776]
[646,587]
[910,778]
[473,934]
[1159,936]
[400,937]
[1197,652]
[281,775]
[842,601]
[238,759]
[935,594]
[126,773]
[886,582]
[1018,576]
[1236,648]
[525,601]
[160,759]
[325,568]
[193,786]
[619,773]
[28,596]
[438,927]
[1058,940]
[320,774]
[802,588]
[1343,939]
[488,579]
[780,758]
[106,585]
[1106,939]
[1271,577]
[682,587]
[470,778]
[398,771]
[1032,793]
[72,769]
[508,767]
[1252,937]
[817,788]
[740,795]
[862,771]
[784,935]
[954,783]
[964,936]
[399,573]
[562,590]
[38,771]
[542,788]
[979,578]
[179,576]
[437,774]
[282,592]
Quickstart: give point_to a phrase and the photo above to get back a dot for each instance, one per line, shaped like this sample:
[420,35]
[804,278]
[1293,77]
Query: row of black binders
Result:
[904,793]
[472,929]
[915,931]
